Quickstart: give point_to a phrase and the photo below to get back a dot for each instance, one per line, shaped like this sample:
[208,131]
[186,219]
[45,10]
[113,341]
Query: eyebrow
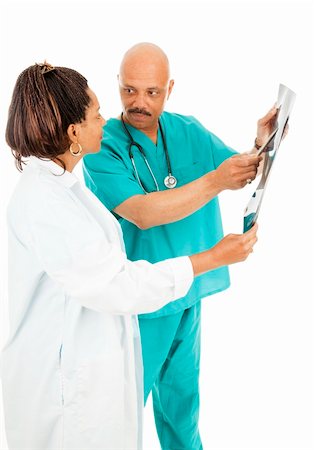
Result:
[133,87]
[126,85]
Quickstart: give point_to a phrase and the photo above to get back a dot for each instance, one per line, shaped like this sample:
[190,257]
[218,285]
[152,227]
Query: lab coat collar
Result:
[66,178]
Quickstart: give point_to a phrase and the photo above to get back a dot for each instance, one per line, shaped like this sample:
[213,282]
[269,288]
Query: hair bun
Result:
[45,67]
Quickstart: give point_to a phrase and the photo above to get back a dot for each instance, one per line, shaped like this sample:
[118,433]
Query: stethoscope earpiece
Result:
[170,181]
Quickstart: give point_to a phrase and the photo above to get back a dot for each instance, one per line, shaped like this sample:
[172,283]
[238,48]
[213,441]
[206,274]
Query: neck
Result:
[150,131]
[68,160]
[152,134]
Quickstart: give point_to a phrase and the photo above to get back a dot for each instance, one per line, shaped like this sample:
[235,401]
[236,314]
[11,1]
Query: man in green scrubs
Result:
[160,222]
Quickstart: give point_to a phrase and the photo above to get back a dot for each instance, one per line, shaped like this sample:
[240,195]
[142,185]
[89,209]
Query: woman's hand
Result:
[235,248]
[231,249]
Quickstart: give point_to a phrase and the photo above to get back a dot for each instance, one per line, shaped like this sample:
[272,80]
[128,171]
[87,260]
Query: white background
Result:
[227,60]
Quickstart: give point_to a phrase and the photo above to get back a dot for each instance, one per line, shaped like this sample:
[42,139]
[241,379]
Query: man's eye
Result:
[128,90]
[153,93]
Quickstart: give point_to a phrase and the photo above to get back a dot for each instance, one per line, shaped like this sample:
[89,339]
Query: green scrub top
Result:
[193,152]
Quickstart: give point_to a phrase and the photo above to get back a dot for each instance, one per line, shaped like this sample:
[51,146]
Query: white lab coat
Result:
[72,367]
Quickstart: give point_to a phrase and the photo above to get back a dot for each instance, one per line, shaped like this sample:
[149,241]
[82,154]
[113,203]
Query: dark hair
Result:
[45,101]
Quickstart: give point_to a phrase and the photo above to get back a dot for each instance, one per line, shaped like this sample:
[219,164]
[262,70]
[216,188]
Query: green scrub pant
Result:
[171,354]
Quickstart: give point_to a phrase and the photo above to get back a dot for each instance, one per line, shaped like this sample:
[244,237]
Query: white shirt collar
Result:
[66,178]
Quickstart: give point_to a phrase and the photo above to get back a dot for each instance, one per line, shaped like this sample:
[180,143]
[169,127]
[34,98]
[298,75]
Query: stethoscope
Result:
[170,181]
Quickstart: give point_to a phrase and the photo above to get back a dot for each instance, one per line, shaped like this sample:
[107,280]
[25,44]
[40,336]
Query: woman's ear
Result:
[72,132]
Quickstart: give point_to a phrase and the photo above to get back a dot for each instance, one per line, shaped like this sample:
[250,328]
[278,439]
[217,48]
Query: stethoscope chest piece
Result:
[170,181]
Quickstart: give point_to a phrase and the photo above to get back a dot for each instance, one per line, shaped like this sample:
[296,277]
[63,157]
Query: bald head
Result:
[144,58]
[144,86]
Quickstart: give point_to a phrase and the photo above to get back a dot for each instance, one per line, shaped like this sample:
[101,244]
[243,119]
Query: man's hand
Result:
[235,172]
[265,126]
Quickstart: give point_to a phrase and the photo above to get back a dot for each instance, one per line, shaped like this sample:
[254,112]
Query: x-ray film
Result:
[285,102]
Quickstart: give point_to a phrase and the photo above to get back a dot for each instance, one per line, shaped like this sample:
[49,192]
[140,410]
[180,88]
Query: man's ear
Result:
[171,83]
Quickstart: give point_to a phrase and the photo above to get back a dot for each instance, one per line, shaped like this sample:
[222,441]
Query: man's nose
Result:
[140,100]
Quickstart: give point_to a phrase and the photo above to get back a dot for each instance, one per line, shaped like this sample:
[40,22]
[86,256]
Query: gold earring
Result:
[79,152]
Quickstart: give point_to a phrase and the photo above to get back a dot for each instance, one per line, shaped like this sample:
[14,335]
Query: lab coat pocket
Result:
[100,400]
[98,406]
[186,174]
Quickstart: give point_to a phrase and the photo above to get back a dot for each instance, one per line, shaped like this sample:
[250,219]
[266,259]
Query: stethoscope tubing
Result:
[141,150]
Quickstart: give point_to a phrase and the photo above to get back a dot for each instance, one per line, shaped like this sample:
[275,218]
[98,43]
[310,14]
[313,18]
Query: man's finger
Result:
[270,115]
[246,160]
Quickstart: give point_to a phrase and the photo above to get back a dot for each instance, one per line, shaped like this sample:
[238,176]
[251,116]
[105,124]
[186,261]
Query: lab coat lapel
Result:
[99,214]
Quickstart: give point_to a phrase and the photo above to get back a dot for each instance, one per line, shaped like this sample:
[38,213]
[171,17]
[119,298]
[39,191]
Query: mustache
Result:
[139,111]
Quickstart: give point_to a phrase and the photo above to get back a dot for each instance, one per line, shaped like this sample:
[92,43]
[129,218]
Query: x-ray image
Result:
[285,102]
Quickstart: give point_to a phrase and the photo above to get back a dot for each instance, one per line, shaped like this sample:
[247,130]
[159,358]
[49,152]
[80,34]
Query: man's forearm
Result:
[159,208]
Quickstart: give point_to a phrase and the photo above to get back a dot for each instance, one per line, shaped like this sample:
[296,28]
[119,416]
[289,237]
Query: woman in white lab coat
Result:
[72,369]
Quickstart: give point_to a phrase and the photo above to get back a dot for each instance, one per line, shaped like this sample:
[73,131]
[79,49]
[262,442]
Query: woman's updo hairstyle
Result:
[45,101]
